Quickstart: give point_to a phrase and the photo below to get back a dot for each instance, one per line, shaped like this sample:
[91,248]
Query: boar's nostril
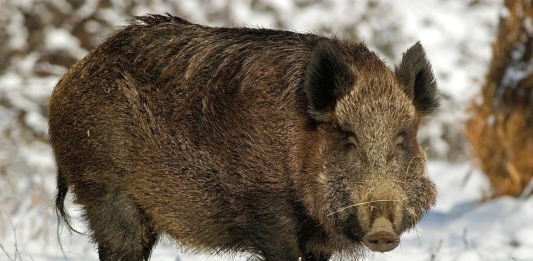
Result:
[381,241]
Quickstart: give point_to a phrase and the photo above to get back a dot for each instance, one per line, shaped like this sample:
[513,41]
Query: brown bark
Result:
[500,129]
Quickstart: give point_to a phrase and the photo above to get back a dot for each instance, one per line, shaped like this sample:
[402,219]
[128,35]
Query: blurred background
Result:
[40,39]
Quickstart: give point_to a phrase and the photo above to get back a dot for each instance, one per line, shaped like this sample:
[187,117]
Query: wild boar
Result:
[278,144]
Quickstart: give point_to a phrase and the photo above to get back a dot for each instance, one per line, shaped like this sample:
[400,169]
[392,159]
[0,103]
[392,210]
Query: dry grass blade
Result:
[434,254]
[17,253]
[361,203]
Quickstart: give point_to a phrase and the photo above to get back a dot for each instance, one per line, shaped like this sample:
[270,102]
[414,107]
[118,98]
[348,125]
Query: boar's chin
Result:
[352,229]
[345,224]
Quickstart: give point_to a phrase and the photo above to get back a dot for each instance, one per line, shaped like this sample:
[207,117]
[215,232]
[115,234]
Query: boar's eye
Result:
[350,140]
[398,143]
[349,144]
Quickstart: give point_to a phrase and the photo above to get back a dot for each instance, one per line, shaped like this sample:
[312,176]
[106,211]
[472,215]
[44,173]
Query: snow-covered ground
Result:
[459,228]
[457,36]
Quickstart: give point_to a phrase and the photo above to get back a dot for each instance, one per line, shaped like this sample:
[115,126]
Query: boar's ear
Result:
[416,76]
[328,78]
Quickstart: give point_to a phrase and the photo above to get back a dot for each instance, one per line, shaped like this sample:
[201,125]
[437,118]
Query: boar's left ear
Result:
[416,76]
[328,78]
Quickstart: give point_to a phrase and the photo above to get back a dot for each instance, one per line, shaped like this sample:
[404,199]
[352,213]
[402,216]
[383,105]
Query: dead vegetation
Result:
[500,129]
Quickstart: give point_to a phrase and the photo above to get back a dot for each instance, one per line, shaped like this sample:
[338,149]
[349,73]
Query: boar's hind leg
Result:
[121,229]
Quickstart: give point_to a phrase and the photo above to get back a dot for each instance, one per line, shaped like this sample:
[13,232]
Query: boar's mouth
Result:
[381,237]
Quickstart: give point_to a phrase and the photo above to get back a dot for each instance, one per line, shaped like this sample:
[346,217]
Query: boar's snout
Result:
[381,237]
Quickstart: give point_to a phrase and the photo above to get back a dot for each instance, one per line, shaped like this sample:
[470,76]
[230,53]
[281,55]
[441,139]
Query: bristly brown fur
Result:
[155,19]
[240,140]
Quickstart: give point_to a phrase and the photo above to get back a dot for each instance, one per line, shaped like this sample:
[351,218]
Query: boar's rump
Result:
[282,145]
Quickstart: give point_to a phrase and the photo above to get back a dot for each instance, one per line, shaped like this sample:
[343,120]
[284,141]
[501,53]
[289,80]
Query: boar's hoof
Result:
[381,237]
[381,241]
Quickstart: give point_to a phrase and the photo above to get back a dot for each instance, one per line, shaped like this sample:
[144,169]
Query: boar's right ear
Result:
[416,76]
[328,78]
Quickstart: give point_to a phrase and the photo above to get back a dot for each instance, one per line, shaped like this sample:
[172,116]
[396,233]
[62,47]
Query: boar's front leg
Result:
[274,239]
[315,257]
[286,253]
[278,250]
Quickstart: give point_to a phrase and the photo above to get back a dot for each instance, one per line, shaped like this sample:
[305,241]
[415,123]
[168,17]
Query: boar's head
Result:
[371,184]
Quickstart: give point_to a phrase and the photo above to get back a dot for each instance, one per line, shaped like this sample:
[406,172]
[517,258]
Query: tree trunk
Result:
[500,129]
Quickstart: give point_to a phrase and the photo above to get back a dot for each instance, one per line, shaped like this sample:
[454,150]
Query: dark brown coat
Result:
[276,143]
